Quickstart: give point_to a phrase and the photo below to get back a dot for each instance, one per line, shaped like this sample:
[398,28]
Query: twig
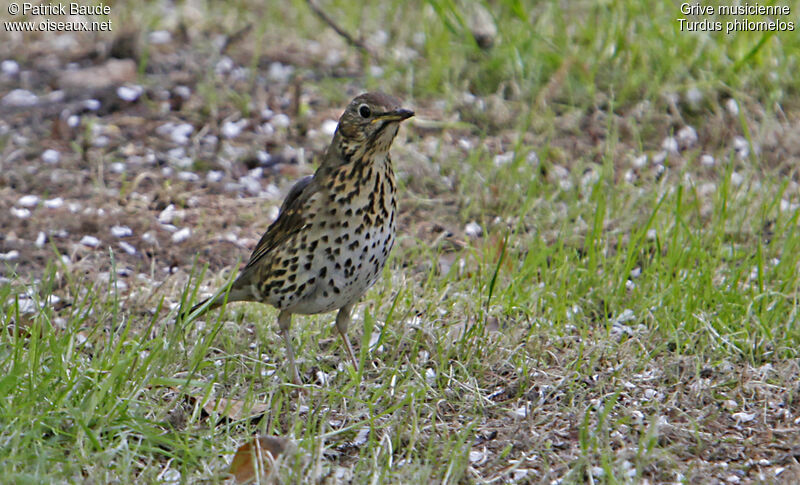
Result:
[357,43]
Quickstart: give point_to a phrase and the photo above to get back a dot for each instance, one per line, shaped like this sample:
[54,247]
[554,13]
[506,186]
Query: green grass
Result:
[599,328]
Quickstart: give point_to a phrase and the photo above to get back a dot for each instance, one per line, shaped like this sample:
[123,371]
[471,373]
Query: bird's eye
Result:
[364,111]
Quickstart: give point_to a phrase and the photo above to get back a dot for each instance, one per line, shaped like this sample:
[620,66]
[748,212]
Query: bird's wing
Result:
[290,220]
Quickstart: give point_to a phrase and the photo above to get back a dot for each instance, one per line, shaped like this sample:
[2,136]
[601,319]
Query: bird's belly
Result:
[343,271]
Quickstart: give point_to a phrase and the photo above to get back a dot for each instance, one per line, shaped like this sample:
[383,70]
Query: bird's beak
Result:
[395,115]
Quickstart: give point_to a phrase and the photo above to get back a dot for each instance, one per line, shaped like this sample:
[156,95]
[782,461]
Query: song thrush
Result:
[335,229]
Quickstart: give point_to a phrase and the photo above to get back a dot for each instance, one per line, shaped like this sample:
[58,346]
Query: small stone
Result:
[91,104]
[54,203]
[670,144]
[9,67]
[181,235]
[503,159]
[127,248]
[743,417]
[121,231]
[329,127]
[280,120]
[687,137]
[20,213]
[129,93]
[90,241]
[694,96]
[28,201]
[232,129]
[188,176]
[732,106]
[473,229]
[640,161]
[51,156]
[158,37]
[9,256]
[20,98]
[741,146]
[707,160]
[41,239]
[736,179]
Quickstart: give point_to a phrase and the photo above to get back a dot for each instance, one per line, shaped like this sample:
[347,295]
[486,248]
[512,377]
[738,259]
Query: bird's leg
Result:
[284,323]
[342,321]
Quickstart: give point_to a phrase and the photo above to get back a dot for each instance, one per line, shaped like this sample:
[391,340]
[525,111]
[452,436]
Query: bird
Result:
[334,230]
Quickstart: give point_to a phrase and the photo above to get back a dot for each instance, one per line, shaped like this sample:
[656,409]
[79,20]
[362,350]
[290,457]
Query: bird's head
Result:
[368,125]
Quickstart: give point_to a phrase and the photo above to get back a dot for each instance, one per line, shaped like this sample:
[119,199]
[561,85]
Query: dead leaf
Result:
[233,408]
[113,73]
[256,458]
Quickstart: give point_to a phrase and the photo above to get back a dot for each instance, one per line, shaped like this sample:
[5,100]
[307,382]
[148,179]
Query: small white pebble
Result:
[280,120]
[129,93]
[503,159]
[127,248]
[159,37]
[732,106]
[430,375]
[20,98]
[170,475]
[473,229]
[20,213]
[41,239]
[232,129]
[54,203]
[476,455]
[687,136]
[694,96]
[51,156]
[224,65]
[736,179]
[280,72]
[9,67]
[743,417]
[361,437]
[733,479]
[90,241]
[181,235]
[188,176]
[640,161]
[520,412]
[121,231]
[263,157]
[91,104]
[670,144]
[9,256]
[183,91]
[73,121]
[329,127]
[741,146]
[375,71]
[28,200]
[707,160]
[214,175]
[465,144]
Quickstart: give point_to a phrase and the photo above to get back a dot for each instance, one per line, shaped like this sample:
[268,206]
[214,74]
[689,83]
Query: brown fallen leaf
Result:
[113,73]
[233,408]
[256,458]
